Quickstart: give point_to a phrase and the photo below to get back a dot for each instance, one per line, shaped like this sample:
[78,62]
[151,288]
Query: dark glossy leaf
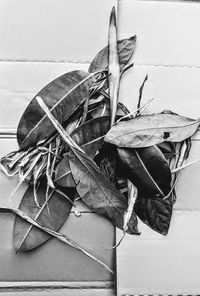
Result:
[91,131]
[149,130]
[155,212]
[63,96]
[52,215]
[147,169]
[98,192]
[90,137]
[92,186]
[126,48]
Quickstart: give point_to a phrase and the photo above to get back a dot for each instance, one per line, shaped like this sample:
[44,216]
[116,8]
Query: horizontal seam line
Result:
[168,65]
[44,61]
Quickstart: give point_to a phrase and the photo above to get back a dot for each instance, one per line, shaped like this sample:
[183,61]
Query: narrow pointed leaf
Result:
[147,169]
[148,130]
[155,212]
[99,193]
[63,96]
[126,48]
[113,65]
[90,137]
[52,214]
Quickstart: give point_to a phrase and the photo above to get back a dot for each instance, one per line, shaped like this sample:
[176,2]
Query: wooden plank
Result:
[65,31]
[164,36]
[152,264]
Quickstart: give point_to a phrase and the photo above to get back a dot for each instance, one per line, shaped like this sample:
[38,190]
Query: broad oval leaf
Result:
[98,192]
[126,48]
[52,214]
[62,96]
[149,130]
[155,212]
[90,137]
[147,169]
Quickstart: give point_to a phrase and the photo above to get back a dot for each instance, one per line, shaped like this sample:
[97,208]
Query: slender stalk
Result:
[140,94]
[113,65]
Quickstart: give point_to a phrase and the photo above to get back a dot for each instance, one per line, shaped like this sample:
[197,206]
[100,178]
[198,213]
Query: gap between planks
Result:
[21,286]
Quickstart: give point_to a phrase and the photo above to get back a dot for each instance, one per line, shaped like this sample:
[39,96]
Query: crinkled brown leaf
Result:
[52,214]
[149,130]
[63,96]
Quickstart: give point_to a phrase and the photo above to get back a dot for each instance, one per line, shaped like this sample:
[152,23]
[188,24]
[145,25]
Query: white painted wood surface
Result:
[168,46]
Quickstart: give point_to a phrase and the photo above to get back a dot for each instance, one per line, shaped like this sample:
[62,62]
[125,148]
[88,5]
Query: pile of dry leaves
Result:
[77,141]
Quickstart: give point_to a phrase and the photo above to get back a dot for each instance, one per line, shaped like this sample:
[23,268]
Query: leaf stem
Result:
[140,94]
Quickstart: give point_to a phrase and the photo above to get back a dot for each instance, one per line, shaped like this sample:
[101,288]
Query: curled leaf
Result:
[149,130]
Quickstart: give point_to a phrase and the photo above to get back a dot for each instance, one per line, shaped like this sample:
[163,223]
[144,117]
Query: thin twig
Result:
[140,93]
[130,114]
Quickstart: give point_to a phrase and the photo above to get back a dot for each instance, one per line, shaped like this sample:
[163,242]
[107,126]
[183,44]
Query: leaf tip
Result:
[133,38]
[113,17]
